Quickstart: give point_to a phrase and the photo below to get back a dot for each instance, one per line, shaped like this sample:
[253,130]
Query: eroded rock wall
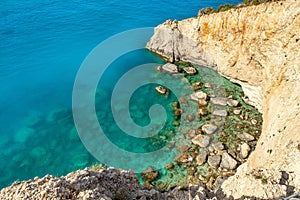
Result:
[259,48]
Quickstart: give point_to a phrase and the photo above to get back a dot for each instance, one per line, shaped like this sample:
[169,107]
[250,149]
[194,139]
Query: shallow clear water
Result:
[42,46]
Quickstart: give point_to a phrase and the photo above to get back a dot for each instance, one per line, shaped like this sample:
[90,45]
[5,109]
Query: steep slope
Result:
[259,48]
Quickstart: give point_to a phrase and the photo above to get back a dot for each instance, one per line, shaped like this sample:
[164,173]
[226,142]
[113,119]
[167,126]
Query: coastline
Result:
[256,47]
[264,95]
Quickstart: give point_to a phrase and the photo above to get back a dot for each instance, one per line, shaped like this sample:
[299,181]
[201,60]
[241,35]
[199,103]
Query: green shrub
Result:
[225,7]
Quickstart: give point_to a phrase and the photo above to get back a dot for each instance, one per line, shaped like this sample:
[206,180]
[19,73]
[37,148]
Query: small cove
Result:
[43,44]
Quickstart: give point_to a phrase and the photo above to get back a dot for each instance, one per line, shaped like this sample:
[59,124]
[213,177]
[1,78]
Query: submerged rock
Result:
[190,117]
[201,140]
[246,137]
[175,104]
[219,101]
[232,102]
[207,85]
[197,85]
[149,174]
[182,148]
[190,70]
[161,90]
[175,123]
[237,111]
[196,96]
[170,68]
[202,111]
[221,113]
[169,166]
[183,158]
[191,171]
[192,133]
[209,128]
[217,146]
[183,101]
[253,121]
[24,134]
[228,162]
[202,102]
[178,112]
[214,161]
[201,158]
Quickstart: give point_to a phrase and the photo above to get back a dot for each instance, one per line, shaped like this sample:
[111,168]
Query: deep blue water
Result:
[42,45]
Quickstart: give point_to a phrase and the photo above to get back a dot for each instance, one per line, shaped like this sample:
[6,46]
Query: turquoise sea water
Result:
[42,44]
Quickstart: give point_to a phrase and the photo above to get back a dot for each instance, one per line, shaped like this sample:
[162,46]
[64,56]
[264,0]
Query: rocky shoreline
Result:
[212,154]
[256,47]
[105,184]
[220,136]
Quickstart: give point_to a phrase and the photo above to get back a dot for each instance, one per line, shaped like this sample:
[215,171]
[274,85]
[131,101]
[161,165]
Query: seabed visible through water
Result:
[41,137]
[236,133]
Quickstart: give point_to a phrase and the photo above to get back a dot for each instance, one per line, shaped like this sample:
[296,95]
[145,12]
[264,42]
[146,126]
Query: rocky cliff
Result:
[257,47]
[103,184]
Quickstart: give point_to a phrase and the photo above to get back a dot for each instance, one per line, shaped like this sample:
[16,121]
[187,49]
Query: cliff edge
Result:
[257,47]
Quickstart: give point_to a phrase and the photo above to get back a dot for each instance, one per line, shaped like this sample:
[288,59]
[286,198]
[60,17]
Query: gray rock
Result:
[221,113]
[202,111]
[219,122]
[183,101]
[190,70]
[246,137]
[237,111]
[219,101]
[202,102]
[196,96]
[149,174]
[232,102]
[197,85]
[245,149]
[183,158]
[192,133]
[201,158]
[170,68]
[214,160]
[217,146]
[201,140]
[161,90]
[190,117]
[228,162]
[253,121]
[209,128]
[182,148]
[211,150]
[207,85]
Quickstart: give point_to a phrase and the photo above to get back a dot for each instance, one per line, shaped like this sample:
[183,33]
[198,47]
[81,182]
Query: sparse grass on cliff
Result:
[225,7]
[97,167]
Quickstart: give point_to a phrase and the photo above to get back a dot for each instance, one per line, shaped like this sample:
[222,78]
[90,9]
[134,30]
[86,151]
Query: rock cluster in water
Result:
[224,135]
[258,48]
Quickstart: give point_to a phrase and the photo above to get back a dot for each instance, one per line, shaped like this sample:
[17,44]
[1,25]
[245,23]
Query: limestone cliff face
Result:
[259,48]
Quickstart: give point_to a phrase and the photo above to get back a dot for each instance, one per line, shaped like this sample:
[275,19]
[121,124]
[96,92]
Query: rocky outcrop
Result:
[105,184]
[257,47]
